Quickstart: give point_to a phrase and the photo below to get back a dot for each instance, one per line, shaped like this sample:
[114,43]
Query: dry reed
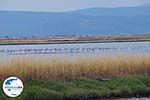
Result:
[65,69]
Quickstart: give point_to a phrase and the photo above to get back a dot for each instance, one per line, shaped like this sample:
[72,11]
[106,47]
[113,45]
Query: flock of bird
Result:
[62,50]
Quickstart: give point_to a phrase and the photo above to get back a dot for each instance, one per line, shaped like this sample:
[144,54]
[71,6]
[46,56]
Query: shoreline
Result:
[74,40]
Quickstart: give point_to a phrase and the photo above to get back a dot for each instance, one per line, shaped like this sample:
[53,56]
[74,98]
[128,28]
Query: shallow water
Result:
[76,50]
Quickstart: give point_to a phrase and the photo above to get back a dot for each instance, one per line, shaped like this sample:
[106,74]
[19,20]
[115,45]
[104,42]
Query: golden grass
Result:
[65,69]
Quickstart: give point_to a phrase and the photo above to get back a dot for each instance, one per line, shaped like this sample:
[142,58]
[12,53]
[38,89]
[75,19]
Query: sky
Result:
[66,5]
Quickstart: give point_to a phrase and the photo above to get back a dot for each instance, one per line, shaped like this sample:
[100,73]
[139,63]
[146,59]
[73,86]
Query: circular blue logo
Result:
[13,87]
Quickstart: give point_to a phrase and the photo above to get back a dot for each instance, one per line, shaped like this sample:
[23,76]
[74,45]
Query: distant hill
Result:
[92,21]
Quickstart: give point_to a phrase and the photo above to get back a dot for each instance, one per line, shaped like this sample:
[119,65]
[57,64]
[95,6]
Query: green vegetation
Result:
[83,89]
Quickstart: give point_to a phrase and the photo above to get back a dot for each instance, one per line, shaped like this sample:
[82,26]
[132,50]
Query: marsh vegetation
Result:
[65,69]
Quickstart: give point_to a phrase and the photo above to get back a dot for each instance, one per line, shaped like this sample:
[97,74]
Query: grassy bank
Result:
[54,69]
[83,89]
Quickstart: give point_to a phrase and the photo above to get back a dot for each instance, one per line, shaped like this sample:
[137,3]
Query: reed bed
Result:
[108,67]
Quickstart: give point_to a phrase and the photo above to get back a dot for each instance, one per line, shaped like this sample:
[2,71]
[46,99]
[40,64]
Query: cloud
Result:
[65,5]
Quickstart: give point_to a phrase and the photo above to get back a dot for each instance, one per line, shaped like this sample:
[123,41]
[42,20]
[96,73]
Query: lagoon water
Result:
[74,50]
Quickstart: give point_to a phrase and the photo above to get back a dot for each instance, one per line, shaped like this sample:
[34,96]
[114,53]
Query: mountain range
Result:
[90,21]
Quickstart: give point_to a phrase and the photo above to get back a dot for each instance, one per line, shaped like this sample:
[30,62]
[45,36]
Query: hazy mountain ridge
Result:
[101,21]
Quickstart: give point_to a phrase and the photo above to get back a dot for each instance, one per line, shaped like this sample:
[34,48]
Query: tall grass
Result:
[28,68]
